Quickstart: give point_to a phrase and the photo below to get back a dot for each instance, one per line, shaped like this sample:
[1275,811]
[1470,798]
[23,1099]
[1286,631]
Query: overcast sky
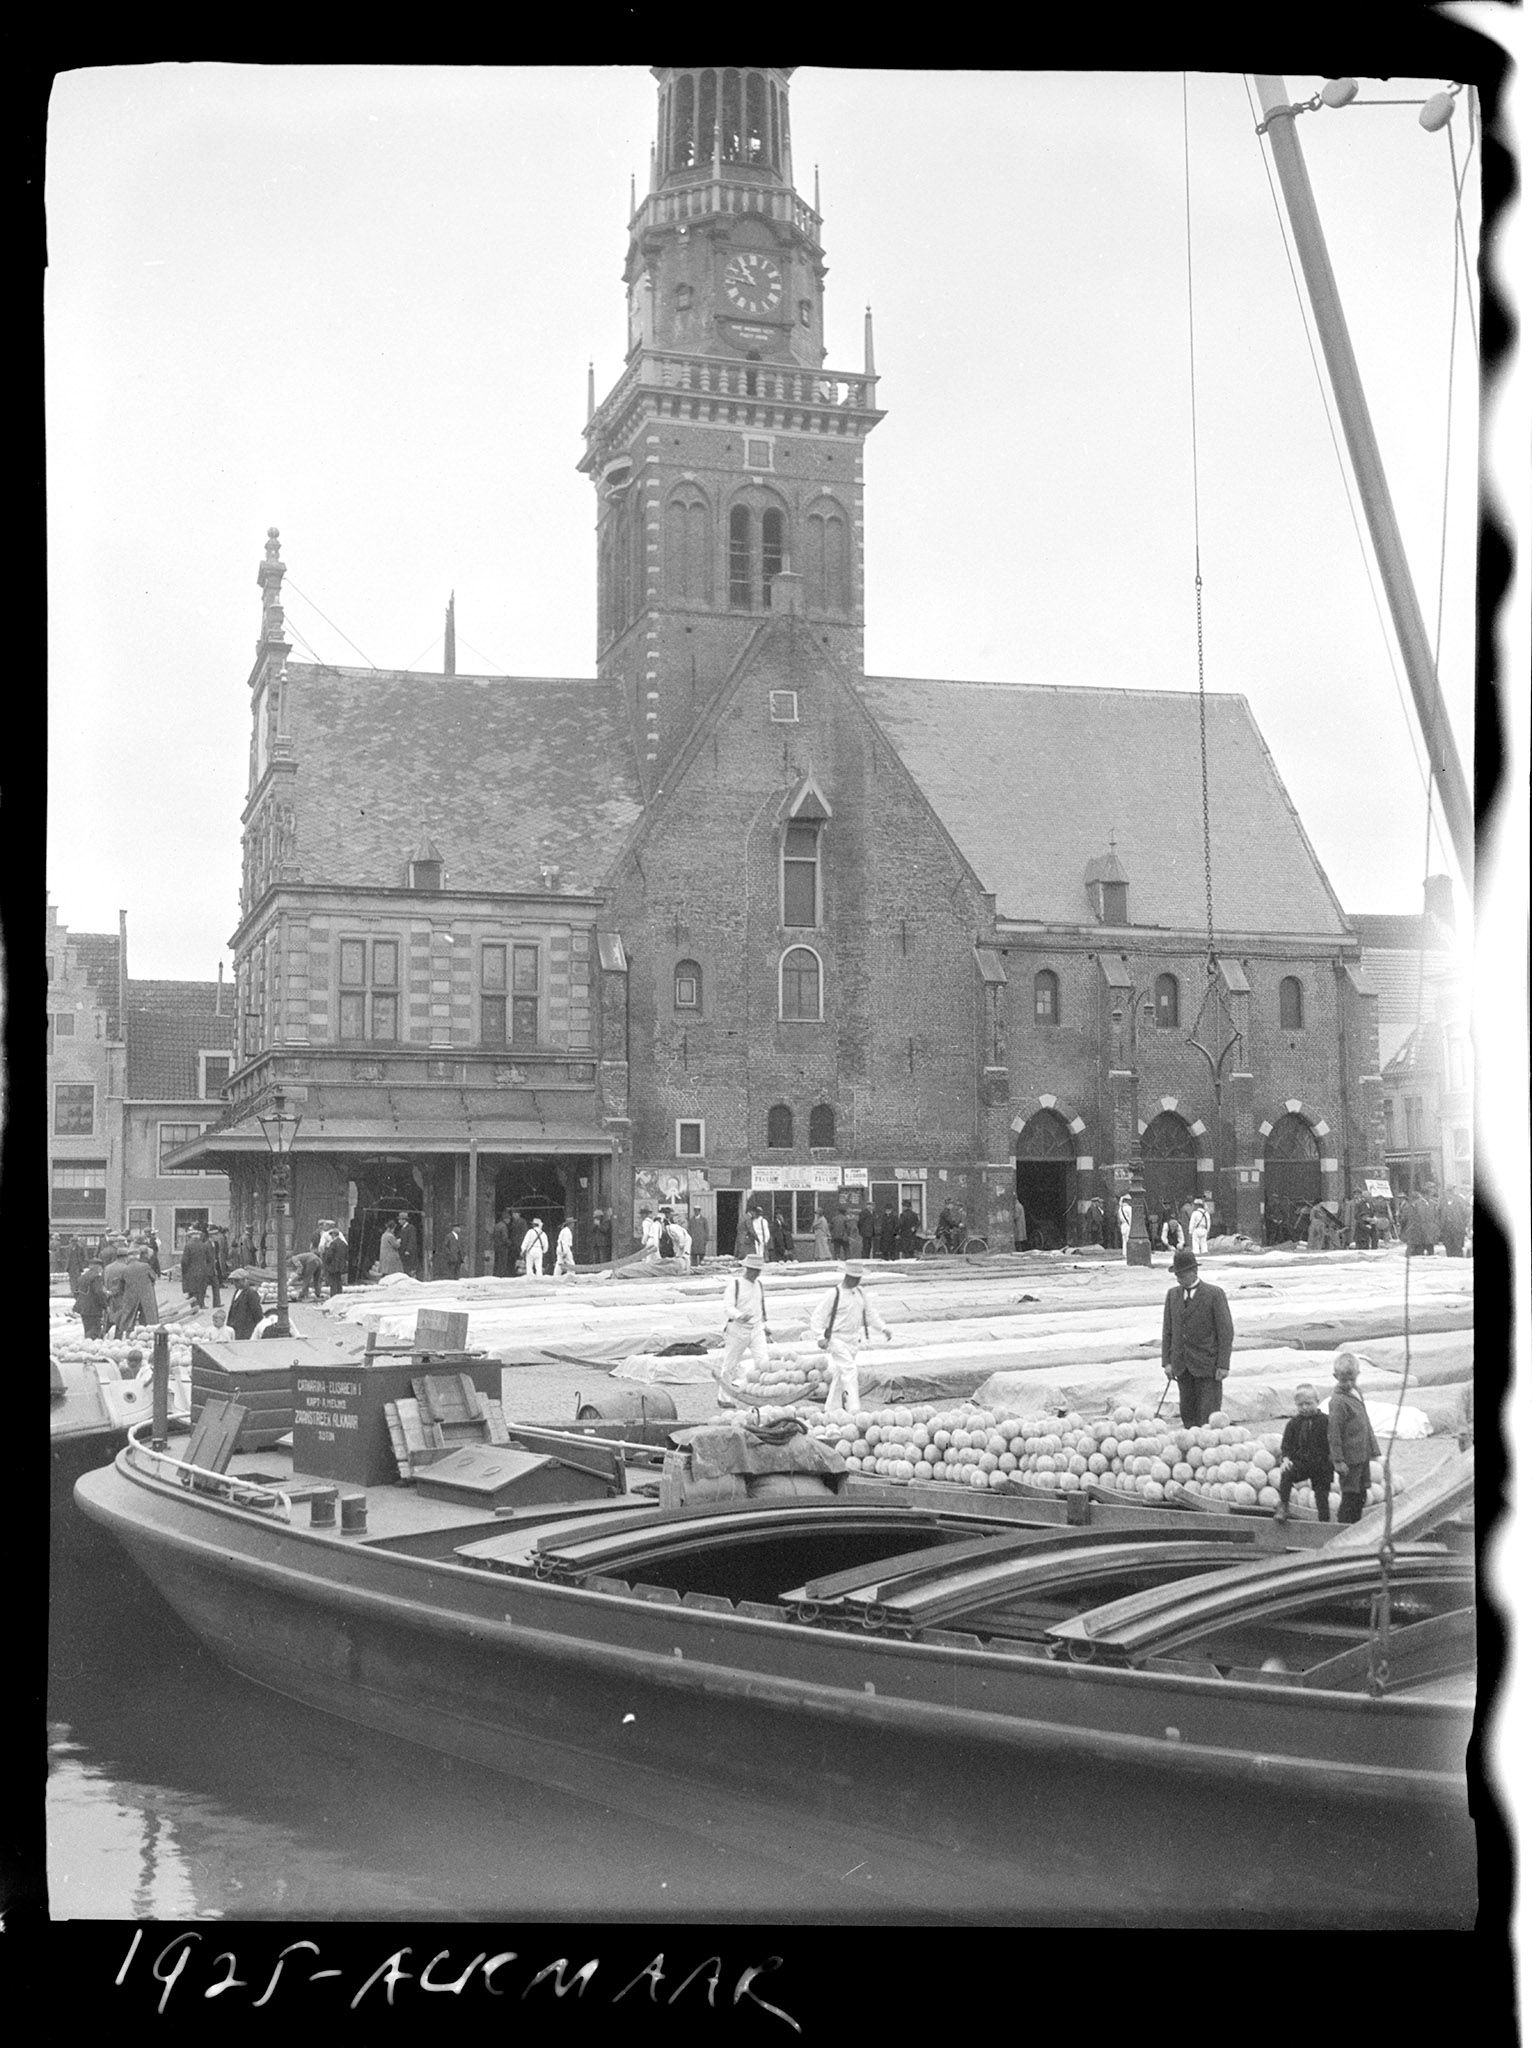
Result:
[358,304]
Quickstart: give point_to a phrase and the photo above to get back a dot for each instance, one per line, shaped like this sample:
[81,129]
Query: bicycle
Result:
[936,1246]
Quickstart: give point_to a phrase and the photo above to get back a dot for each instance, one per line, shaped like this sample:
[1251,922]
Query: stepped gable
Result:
[98,954]
[520,772]
[1031,780]
[169,1024]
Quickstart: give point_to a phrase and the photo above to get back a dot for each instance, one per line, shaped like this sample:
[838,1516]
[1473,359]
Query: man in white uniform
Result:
[533,1246]
[843,1321]
[1197,1228]
[680,1243]
[649,1235]
[745,1328]
[563,1256]
[760,1230]
[1125,1220]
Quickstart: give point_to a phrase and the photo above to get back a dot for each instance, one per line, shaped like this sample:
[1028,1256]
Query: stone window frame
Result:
[1167,1017]
[691,1123]
[774,1123]
[526,997]
[815,827]
[797,1018]
[369,989]
[1045,982]
[818,1141]
[688,970]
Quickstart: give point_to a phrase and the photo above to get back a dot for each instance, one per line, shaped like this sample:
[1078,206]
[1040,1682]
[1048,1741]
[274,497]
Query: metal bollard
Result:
[353,1514]
[160,1373]
[322,1507]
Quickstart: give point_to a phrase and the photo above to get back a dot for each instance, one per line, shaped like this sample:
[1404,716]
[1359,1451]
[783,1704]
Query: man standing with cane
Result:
[1196,1340]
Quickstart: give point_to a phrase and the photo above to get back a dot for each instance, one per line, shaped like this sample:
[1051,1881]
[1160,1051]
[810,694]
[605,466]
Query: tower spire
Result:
[869,365]
[590,391]
[449,643]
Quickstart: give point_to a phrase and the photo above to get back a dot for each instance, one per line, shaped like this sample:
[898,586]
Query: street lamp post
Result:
[1139,1248]
[279,1127]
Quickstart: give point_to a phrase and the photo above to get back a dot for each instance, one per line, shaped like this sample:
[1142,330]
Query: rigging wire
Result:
[1324,399]
[330,622]
[1202,708]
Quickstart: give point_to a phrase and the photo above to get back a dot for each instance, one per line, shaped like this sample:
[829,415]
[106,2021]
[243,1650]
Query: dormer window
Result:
[425,874]
[1106,884]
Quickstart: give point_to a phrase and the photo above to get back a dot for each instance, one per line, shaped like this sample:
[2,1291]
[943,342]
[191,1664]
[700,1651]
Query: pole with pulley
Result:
[1279,125]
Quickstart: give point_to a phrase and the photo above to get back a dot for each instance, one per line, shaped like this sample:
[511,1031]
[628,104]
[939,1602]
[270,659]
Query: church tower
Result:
[726,457]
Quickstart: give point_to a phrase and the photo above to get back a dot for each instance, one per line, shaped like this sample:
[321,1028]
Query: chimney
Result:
[218,993]
[122,973]
[449,639]
[1439,901]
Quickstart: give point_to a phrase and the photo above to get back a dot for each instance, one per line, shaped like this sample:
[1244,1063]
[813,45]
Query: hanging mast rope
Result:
[1279,127]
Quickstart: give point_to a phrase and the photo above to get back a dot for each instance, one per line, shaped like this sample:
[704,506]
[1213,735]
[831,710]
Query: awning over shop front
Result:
[371,1137]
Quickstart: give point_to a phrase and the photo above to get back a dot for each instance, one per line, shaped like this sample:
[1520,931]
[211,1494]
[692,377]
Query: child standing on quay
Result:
[1352,1443]
[1306,1454]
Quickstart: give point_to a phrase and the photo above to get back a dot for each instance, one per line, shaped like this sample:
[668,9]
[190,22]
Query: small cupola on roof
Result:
[1106,884]
[423,868]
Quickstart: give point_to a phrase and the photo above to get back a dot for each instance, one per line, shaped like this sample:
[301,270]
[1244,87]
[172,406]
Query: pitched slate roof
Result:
[169,1023]
[1394,932]
[98,954]
[505,773]
[1405,981]
[1031,779]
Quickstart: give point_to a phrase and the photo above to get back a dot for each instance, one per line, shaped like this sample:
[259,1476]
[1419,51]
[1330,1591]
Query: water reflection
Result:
[176,1791]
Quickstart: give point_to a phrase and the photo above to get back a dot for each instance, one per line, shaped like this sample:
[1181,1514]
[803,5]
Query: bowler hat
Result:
[1184,1261]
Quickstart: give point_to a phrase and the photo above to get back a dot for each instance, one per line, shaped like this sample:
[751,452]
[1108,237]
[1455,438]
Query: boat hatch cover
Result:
[924,1567]
[1148,1623]
[677,1536]
[1040,1577]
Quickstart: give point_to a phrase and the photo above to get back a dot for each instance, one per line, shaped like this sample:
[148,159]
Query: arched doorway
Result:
[1170,1168]
[1045,1179]
[1292,1177]
[534,1185]
[384,1189]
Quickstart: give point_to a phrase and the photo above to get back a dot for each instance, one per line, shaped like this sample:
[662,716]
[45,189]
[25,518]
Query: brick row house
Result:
[735,918]
[135,1070]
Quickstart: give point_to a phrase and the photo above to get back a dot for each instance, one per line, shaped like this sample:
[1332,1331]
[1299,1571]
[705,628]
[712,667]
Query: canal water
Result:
[177,1792]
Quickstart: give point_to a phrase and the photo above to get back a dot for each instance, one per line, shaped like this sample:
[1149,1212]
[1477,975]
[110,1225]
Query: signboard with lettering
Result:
[803,1178]
[339,1427]
[910,1172]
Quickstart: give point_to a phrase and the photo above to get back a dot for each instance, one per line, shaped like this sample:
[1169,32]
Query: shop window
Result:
[524,995]
[1045,996]
[821,1125]
[691,1137]
[779,1128]
[74,1109]
[1290,1003]
[688,985]
[1167,1002]
[77,1190]
[800,875]
[801,994]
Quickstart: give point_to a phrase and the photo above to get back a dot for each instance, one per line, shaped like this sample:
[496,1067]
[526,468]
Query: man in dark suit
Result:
[1196,1340]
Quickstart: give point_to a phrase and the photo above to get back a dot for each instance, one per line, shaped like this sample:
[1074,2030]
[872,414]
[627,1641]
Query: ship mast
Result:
[1279,120]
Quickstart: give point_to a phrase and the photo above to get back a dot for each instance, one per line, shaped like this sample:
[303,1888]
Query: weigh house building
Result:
[735,918]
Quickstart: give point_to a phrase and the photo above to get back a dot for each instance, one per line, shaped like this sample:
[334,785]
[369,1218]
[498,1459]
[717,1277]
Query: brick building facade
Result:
[780,926]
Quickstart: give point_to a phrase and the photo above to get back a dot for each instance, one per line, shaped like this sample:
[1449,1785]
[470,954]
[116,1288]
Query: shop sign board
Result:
[803,1179]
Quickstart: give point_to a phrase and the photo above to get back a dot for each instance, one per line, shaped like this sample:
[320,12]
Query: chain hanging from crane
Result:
[1221,1020]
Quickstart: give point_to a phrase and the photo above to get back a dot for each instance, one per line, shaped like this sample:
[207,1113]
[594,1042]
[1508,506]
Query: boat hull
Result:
[1034,1788]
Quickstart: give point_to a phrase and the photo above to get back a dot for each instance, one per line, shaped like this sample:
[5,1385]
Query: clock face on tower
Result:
[752,284]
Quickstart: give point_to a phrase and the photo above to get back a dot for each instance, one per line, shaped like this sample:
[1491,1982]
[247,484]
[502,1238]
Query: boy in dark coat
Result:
[1306,1455]
[1352,1443]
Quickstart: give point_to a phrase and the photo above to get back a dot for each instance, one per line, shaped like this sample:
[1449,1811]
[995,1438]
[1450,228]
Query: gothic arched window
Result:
[688,548]
[773,552]
[779,1128]
[825,539]
[688,985]
[821,1125]
[1167,1002]
[732,133]
[801,986]
[739,557]
[1045,996]
[683,144]
[1290,1003]
[776,131]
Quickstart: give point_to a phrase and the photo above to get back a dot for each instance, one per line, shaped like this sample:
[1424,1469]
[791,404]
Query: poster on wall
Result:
[655,1186]
[802,1179]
